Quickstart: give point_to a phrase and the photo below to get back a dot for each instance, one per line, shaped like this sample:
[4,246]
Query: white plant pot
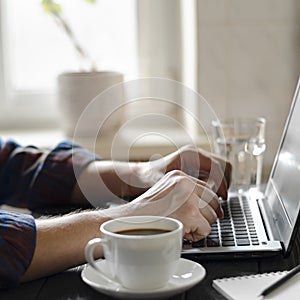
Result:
[89,102]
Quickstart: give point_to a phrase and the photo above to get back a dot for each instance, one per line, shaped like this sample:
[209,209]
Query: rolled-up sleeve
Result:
[17,244]
[34,178]
[54,179]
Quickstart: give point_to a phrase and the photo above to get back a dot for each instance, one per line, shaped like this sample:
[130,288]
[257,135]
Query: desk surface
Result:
[68,284]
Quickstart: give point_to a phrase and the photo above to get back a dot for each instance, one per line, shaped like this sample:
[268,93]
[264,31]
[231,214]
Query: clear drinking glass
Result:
[242,142]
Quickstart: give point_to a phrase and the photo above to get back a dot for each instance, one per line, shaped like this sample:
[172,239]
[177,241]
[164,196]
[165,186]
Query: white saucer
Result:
[187,274]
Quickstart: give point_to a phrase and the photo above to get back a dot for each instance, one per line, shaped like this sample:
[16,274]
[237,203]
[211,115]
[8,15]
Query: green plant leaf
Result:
[51,7]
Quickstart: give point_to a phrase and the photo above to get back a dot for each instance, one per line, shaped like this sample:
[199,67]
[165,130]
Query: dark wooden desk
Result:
[68,285]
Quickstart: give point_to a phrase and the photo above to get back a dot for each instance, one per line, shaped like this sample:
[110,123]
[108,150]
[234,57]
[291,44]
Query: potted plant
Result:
[77,89]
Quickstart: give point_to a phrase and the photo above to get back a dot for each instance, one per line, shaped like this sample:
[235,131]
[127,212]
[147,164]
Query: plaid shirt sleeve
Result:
[32,178]
[17,243]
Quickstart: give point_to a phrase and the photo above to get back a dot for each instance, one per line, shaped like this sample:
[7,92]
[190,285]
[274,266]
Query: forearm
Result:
[60,242]
[107,180]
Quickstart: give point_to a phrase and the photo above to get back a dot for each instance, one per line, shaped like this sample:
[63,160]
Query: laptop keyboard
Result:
[235,229]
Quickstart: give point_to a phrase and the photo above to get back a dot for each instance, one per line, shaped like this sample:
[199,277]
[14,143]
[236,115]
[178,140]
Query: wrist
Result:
[143,175]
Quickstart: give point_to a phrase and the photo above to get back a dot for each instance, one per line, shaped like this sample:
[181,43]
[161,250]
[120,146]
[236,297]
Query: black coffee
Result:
[143,231]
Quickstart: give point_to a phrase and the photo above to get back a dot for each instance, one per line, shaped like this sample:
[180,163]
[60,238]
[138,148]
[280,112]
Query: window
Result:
[138,38]
[35,50]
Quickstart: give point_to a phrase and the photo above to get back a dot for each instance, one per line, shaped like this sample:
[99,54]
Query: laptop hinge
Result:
[268,221]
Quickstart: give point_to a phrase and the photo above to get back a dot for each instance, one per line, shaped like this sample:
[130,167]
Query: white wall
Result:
[249,60]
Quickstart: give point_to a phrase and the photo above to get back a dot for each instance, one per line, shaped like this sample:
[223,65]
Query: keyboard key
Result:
[226,229]
[225,222]
[243,242]
[226,232]
[212,242]
[227,235]
[198,244]
[241,236]
[228,243]
[227,238]
[238,220]
[240,228]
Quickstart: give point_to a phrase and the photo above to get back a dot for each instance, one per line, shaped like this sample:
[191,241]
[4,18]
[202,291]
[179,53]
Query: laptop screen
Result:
[283,191]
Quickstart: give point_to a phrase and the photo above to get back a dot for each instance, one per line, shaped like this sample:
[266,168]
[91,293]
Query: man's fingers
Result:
[207,211]
[197,229]
[204,192]
[197,162]
[226,167]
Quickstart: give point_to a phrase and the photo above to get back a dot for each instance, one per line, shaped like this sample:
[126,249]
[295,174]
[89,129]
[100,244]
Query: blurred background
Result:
[242,56]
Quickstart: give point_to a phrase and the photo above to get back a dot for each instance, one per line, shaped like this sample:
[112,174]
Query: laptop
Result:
[261,223]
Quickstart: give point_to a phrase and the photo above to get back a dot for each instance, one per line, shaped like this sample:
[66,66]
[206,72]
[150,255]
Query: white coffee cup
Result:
[135,259]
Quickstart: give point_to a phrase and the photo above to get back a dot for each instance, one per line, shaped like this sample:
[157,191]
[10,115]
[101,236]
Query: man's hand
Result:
[183,197]
[194,162]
